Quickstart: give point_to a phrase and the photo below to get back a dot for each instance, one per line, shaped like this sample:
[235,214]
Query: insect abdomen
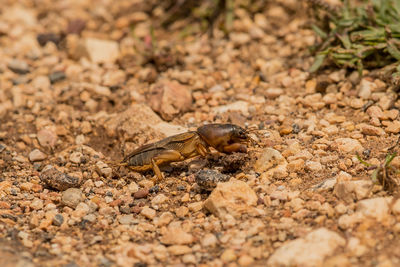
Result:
[142,160]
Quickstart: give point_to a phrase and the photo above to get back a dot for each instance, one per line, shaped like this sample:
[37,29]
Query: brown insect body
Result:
[185,143]
[225,138]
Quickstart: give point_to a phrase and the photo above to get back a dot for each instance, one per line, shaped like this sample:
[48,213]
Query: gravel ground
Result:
[83,83]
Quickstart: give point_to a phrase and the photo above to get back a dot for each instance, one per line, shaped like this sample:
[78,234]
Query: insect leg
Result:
[235,147]
[156,170]
[202,150]
[165,156]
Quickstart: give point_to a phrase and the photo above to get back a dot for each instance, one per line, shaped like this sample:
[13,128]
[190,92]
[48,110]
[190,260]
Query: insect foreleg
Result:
[235,147]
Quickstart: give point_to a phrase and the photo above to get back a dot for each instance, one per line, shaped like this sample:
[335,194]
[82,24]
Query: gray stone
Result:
[126,219]
[58,180]
[272,162]
[366,88]
[57,76]
[208,179]
[139,119]
[377,208]
[98,51]
[58,220]
[308,251]
[37,155]
[71,197]
[231,198]
[169,98]
[90,218]
[18,66]
[76,157]
[240,106]
[47,138]
[349,145]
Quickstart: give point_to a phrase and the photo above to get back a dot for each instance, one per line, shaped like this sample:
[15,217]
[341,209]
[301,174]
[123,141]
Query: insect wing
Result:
[162,144]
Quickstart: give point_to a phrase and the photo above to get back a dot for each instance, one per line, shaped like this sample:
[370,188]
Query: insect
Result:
[226,138]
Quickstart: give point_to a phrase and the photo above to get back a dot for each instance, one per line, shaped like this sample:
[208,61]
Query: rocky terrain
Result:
[83,83]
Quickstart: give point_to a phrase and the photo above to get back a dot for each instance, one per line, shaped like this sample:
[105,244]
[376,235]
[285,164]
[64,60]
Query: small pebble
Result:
[228,255]
[245,260]
[154,190]
[18,66]
[58,180]
[57,76]
[125,209]
[126,219]
[58,220]
[208,179]
[149,213]
[37,204]
[142,193]
[181,211]
[37,155]
[47,138]
[44,38]
[37,166]
[71,197]
[76,157]
[90,218]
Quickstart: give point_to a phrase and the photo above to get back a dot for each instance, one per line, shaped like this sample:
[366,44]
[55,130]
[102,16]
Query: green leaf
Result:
[344,56]
[319,59]
[229,16]
[363,162]
[374,176]
[345,63]
[346,9]
[346,22]
[396,7]
[319,31]
[392,49]
[360,67]
[389,158]
[365,34]
[365,51]
[345,40]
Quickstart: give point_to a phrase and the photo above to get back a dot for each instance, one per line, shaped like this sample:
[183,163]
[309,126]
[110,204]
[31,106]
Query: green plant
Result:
[361,36]
[384,174]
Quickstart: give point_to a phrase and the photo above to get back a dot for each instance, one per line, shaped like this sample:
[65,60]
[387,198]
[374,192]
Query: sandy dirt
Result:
[84,83]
